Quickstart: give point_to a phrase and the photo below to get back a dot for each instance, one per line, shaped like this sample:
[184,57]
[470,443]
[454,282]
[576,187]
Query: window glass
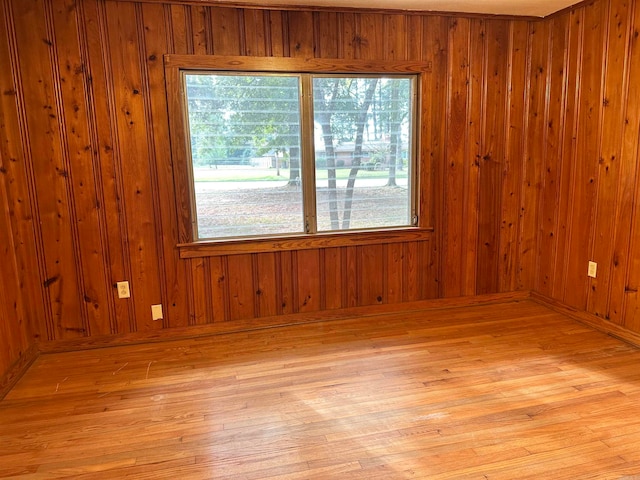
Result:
[246,140]
[245,149]
[362,151]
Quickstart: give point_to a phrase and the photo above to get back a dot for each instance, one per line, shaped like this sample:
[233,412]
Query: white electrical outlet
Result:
[123,289]
[593,269]
[156,312]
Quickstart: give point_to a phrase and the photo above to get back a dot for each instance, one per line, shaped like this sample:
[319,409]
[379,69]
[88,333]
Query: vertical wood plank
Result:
[309,284]
[220,305]
[433,161]
[51,173]
[512,170]
[456,137]
[225,28]
[348,48]
[551,172]
[394,28]
[371,36]
[569,132]
[370,271]
[173,271]
[16,175]
[351,276]
[83,169]
[474,144]
[626,262]
[333,280]
[612,121]
[201,30]
[255,32]
[492,156]
[534,152]
[266,291]
[109,177]
[181,29]
[393,271]
[201,285]
[241,289]
[301,34]
[285,277]
[138,202]
[278,35]
[326,24]
[586,156]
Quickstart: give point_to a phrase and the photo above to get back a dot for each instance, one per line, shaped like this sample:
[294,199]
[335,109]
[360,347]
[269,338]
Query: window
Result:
[275,152]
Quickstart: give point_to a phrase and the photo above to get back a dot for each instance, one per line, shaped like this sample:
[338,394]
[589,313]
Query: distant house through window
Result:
[291,153]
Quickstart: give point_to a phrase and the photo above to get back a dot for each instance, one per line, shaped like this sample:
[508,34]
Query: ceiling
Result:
[532,8]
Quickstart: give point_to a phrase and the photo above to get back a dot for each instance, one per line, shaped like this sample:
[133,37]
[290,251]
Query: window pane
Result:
[245,148]
[362,149]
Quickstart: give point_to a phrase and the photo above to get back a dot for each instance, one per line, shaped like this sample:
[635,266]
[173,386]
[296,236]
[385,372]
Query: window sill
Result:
[302,242]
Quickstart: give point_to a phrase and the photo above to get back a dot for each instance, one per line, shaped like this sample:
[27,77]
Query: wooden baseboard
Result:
[589,319]
[18,369]
[182,333]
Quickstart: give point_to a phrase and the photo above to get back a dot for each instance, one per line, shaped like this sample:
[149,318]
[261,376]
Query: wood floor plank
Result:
[502,391]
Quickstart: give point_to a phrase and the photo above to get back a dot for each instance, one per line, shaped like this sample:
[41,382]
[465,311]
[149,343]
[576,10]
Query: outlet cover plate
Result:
[593,269]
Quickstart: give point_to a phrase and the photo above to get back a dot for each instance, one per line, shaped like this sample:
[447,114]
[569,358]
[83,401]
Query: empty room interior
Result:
[315,240]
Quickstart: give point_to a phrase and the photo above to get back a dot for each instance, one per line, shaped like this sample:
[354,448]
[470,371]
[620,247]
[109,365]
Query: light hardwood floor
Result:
[509,391]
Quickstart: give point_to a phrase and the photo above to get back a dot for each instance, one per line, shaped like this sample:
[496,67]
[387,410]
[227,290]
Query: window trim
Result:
[176,64]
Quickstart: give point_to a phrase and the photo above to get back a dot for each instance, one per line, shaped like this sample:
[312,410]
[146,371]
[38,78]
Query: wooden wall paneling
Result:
[626,264]
[242,290]
[393,272]
[180,29]
[200,284]
[458,77]
[50,168]
[567,168]
[554,122]
[474,143]
[348,48]
[350,274]
[613,100]
[219,288]
[394,37]
[428,285]
[101,108]
[13,329]
[201,30]
[411,272]
[16,176]
[371,45]
[433,161]
[84,174]
[414,37]
[255,32]
[333,279]
[173,274]
[512,171]
[329,35]
[370,275]
[137,165]
[301,34]
[308,291]
[492,155]
[534,151]
[587,156]
[266,284]
[227,32]
[277,45]
[285,276]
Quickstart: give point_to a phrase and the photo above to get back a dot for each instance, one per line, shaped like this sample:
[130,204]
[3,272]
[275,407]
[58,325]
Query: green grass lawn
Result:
[252,174]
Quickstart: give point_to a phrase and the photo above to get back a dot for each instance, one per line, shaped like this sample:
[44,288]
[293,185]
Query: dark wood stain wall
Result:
[528,164]
[589,180]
